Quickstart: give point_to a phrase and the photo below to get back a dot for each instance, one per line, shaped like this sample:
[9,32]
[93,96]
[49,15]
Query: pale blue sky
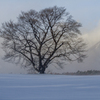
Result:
[86,12]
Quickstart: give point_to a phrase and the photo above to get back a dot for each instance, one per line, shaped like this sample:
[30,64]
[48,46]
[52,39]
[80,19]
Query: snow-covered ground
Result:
[49,87]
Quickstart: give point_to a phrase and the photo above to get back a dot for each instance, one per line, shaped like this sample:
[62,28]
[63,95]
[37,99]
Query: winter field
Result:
[49,87]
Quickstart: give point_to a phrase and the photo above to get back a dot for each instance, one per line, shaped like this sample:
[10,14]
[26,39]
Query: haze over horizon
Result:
[84,11]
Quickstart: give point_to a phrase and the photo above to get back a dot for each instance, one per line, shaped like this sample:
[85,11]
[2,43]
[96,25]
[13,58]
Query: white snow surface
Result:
[49,87]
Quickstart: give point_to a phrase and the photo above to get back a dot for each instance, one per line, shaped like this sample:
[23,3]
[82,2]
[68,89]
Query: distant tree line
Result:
[88,72]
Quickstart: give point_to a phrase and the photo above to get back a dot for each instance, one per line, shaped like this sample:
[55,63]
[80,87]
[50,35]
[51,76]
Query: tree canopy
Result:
[38,38]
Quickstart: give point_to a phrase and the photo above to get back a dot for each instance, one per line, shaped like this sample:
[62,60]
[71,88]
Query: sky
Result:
[84,11]
[87,12]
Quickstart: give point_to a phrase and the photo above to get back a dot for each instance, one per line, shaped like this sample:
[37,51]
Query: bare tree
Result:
[38,38]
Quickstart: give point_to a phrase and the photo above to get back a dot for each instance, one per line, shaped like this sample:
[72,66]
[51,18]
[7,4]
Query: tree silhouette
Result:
[38,38]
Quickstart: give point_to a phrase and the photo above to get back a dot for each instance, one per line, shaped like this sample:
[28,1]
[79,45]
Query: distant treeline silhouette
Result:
[88,72]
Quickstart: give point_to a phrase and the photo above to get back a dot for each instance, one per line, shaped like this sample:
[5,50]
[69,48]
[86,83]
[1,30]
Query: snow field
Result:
[49,87]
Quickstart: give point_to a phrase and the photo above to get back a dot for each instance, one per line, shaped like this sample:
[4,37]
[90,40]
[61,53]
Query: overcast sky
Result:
[84,11]
[87,12]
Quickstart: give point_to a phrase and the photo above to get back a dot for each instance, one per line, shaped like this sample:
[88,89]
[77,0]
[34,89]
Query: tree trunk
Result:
[42,70]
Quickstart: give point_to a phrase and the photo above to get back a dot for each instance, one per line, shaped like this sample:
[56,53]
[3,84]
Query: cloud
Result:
[93,36]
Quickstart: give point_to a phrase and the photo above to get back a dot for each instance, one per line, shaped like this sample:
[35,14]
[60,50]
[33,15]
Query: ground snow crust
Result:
[49,87]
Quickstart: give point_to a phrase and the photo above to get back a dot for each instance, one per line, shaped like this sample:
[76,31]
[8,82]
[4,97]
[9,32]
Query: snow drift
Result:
[49,87]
